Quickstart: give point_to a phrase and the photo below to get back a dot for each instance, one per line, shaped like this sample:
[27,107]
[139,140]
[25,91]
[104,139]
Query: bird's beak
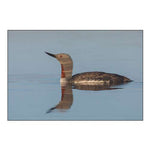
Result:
[51,54]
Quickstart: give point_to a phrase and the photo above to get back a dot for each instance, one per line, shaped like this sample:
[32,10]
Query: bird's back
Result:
[98,78]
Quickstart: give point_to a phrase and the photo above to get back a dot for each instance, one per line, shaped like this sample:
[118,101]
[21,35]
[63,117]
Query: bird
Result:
[86,78]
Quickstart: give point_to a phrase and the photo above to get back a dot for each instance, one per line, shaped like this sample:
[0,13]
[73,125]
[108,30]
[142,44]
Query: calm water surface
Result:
[33,78]
[31,96]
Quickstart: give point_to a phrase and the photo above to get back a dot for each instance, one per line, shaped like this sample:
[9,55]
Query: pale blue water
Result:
[33,78]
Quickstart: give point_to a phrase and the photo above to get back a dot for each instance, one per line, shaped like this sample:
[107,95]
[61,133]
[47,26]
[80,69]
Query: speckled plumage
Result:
[100,78]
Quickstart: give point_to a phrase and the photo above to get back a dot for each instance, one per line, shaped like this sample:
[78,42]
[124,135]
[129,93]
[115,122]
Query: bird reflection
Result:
[66,98]
[93,87]
[67,94]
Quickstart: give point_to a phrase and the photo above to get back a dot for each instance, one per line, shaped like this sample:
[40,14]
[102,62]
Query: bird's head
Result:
[62,57]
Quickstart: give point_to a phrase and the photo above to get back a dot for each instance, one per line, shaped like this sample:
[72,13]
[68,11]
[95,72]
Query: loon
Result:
[85,78]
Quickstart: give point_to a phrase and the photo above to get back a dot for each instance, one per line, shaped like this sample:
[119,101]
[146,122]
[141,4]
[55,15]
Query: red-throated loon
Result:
[85,78]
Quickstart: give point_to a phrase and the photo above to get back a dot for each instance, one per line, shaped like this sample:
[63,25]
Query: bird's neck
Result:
[66,71]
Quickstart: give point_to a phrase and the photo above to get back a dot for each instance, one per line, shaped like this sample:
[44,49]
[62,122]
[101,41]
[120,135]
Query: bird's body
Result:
[98,78]
[86,78]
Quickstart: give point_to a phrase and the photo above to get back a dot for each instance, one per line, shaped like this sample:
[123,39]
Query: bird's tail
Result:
[127,79]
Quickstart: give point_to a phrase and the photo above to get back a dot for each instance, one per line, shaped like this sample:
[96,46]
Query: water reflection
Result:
[66,98]
[67,94]
[93,87]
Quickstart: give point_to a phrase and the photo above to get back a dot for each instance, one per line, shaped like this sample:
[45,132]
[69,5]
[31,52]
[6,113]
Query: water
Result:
[33,78]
